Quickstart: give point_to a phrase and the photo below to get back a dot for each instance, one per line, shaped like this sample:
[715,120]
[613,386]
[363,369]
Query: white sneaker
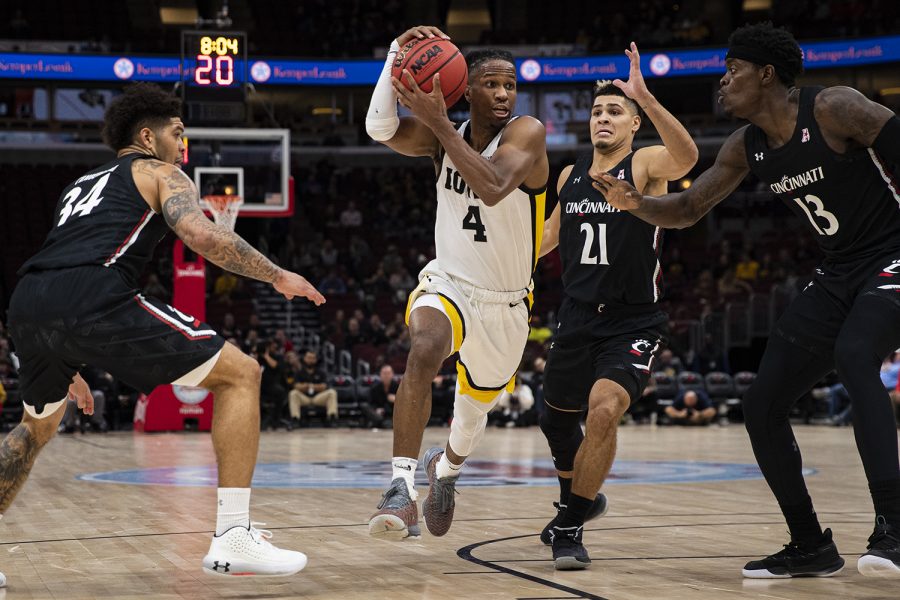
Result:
[240,551]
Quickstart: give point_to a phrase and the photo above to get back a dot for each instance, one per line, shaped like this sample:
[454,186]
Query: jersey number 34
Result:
[85,205]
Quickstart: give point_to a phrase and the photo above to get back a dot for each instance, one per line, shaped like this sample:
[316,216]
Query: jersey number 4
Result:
[602,257]
[472,221]
[85,205]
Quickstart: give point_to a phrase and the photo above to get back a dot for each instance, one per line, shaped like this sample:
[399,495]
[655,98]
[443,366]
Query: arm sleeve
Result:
[382,121]
[887,144]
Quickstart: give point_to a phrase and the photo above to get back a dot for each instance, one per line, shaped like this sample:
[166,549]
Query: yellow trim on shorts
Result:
[456,322]
[540,201]
[482,395]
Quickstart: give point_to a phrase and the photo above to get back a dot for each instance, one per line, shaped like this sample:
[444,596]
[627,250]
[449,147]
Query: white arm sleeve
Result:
[382,121]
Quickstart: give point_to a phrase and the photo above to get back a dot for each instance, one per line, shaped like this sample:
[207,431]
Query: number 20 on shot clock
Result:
[218,57]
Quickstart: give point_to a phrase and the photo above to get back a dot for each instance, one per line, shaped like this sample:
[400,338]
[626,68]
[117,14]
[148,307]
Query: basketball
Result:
[423,58]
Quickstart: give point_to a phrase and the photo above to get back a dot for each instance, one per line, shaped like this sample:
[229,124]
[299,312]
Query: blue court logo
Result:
[372,474]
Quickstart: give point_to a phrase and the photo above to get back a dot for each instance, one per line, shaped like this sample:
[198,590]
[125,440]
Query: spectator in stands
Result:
[285,344]
[228,328]
[226,284]
[251,342]
[273,393]
[376,330]
[514,408]
[539,332]
[692,407]
[379,410]
[355,335]
[705,285]
[537,384]
[256,324]
[329,254]
[333,283]
[350,216]
[402,283]
[747,268]
[392,261]
[731,287]
[668,363]
[311,389]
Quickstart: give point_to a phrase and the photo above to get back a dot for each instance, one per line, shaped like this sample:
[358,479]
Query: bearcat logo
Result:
[425,58]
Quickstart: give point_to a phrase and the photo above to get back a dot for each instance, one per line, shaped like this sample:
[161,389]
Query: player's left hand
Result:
[80,392]
[618,192]
[634,88]
[430,108]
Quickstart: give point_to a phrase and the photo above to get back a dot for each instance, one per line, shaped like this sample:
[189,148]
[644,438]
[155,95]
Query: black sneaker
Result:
[598,509]
[882,558]
[569,553]
[798,560]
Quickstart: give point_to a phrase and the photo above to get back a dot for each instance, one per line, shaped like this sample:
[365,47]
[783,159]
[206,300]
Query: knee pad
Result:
[469,421]
[564,435]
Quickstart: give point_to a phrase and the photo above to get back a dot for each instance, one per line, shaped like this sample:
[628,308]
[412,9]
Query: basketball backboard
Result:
[251,163]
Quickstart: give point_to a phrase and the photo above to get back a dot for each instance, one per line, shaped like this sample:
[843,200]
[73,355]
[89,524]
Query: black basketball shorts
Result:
[61,320]
[590,346]
[815,317]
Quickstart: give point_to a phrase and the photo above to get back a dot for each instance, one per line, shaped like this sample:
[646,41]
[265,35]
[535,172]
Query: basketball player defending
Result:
[825,153]
[475,297]
[610,326]
[78,304]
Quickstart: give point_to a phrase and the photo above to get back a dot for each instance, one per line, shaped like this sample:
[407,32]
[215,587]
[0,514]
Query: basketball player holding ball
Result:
[475,297]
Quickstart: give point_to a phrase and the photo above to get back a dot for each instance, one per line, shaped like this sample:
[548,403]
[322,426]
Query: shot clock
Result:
[213,75]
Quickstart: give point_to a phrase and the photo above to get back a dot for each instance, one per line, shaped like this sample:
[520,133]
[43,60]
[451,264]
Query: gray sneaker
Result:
[398,515]
[437,509]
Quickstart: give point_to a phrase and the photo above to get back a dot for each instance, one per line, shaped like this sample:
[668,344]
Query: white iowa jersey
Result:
[491,247]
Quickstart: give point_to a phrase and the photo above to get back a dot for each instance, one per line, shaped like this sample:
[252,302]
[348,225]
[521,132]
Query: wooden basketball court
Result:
[70,538]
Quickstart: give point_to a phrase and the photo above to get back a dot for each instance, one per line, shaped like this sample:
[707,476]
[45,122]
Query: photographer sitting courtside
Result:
[311,389]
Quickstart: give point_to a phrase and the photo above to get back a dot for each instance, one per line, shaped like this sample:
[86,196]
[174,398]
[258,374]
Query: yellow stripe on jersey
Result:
[529,299]
[538,204]
[456,322]
[485,395]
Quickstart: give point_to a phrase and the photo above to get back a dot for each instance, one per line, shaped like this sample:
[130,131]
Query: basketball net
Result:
[224,209]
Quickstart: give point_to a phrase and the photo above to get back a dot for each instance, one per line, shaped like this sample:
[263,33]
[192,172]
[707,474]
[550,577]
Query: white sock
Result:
[404,467]
[233,509]
[445,468]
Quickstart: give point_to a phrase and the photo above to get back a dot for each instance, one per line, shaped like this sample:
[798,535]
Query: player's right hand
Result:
[290,284]
[80,392]
[420,32]
[618,192]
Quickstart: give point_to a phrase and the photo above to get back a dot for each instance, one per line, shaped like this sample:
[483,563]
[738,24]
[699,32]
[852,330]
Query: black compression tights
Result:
[870,332]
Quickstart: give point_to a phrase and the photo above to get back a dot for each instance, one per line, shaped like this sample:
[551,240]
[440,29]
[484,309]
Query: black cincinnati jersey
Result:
[851,201]
[609,257]
[101,219]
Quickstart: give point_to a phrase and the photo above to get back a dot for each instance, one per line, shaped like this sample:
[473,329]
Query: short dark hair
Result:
[605,87]
[141,105]
[778,42]
[476,58]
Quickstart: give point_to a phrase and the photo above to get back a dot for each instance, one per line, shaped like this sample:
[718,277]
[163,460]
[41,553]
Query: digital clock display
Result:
[213,58]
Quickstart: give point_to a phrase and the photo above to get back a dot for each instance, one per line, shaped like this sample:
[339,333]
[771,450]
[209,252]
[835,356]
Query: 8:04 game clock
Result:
[213,75]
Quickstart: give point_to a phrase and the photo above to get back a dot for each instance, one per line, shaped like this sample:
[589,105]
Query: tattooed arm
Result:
[675,211]
[179,203]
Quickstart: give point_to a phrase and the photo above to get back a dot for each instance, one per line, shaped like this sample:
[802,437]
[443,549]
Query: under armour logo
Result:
[217,566]
[805,136]
[759,156]
[577,179]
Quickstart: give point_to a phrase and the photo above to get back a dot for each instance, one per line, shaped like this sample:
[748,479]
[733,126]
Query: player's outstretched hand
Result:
[618,192]
[420,32]
[635,88]
[290,284]
[80,392]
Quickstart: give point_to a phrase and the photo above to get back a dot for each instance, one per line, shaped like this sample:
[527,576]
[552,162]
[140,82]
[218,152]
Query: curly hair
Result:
[605,87]
[141,105]
[476,58]
[777,42]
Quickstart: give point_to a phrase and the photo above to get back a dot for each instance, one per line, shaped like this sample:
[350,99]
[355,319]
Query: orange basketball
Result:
[423,58]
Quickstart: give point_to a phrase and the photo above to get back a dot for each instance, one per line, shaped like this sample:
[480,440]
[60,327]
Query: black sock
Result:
[886,498]
[565,489]
[802,522]
[576,511]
